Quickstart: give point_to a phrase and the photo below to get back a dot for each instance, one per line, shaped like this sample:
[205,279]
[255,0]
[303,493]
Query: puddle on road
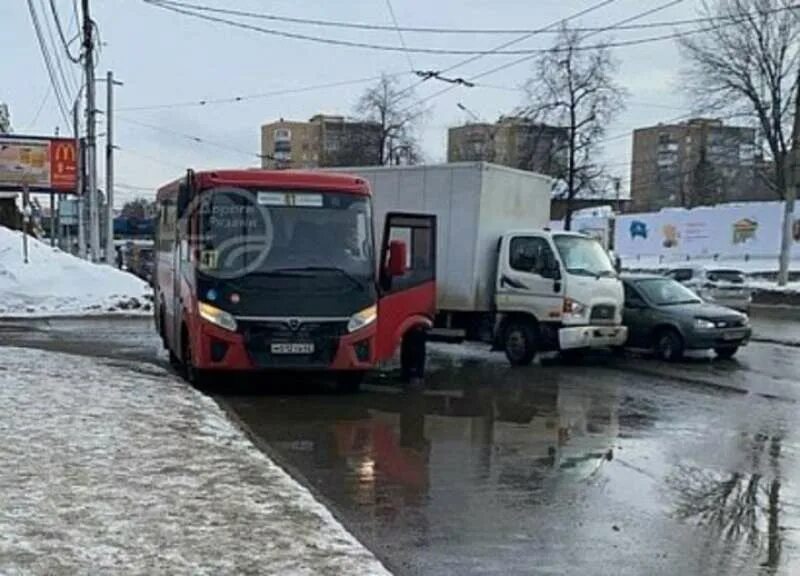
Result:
[489,468]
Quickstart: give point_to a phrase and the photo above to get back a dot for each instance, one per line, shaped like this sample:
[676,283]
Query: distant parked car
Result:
[723,286]
[667,317]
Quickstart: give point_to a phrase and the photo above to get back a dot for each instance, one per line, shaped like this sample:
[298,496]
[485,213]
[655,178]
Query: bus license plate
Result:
[292,348]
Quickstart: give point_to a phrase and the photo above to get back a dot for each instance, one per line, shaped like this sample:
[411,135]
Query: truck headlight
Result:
[573,307]
[703,324]
[216,316]
[363,318]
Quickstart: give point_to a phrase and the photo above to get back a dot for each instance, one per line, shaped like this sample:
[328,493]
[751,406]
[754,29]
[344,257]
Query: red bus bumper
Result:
[219,349]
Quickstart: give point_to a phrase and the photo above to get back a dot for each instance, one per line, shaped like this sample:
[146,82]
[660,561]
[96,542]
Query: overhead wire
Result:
[497,51]
[400,35]
[48,63]
[427,29]
[594,7]
[261,95]
[67,81]
[61,35]
[518,61]
[189,137]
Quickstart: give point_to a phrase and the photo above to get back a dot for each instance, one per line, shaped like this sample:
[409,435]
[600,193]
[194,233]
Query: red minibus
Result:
[265,269]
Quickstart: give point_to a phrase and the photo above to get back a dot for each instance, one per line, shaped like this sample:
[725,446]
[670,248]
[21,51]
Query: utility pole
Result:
[79,179]
[91,138]
[792,179]
[110,82]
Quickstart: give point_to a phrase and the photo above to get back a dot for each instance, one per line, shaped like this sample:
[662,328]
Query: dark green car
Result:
[665,316]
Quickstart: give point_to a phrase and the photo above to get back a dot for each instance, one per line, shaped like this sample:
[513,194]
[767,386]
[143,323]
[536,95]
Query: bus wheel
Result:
[413,355]
[196,377]
[349,382]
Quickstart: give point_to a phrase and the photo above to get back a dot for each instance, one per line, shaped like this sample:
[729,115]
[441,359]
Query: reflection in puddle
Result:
[737,507]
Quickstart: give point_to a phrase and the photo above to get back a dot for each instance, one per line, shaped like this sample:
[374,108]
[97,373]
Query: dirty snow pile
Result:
[116,467]
[771,286]
[54,282]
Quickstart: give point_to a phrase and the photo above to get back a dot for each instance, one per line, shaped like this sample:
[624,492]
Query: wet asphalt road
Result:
[608,466]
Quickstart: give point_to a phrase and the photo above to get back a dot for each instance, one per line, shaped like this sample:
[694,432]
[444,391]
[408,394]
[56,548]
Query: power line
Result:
[32,123]
[190,137]
[56,54]
[400,35]
[517,40]
[498,51]
[526,58]
[61,35]
[150,158]
[236,99]
[48,63]
[426,29]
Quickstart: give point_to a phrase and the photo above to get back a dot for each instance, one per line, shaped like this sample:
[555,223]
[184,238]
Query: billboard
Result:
[44,164]
[744,230]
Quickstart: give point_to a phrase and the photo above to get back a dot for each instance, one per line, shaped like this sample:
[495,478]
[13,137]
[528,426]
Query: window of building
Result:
[282,134]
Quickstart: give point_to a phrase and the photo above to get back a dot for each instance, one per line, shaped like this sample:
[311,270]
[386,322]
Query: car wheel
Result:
[727,352]
[668,345]
[519,343]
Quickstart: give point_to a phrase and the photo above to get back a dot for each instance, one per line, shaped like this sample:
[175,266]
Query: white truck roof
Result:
[475,203]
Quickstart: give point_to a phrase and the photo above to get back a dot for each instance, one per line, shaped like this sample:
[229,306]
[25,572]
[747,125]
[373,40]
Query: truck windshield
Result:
[583,256]
[289,232]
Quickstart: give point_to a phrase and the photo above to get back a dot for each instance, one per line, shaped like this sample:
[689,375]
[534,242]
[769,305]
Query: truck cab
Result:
[555,291]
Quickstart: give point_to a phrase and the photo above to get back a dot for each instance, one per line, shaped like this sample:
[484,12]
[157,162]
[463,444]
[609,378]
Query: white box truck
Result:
[501,275]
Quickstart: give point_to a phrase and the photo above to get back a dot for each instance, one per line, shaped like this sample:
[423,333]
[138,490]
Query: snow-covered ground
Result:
[114,467]
[56,283]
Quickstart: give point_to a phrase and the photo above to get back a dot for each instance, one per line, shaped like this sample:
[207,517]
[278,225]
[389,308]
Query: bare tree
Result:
[573,87]
[139,209]
[393,109]
[745,63]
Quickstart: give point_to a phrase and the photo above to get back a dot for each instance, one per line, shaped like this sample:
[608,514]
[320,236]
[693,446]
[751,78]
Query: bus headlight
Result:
[216,316]
[363,318]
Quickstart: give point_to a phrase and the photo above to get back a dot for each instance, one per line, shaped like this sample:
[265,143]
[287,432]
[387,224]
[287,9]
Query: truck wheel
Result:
[727,352]
[349,382]
[668,345]
[519,343]
[413,355]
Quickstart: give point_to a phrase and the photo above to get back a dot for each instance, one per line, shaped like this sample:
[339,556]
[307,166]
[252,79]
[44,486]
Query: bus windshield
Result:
[272,232]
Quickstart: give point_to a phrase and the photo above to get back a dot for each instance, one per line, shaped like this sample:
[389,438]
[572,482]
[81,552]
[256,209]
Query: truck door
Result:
[408,299]
[529,278]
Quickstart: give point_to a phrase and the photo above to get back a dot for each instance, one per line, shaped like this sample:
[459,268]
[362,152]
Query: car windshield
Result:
[583,256]
[732,276]
[285,232]
[666,292]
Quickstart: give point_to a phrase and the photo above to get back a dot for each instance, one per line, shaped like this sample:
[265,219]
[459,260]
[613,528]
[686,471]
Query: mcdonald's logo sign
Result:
[63,165]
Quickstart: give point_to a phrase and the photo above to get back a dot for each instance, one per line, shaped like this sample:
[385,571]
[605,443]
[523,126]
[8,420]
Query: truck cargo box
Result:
[474,203]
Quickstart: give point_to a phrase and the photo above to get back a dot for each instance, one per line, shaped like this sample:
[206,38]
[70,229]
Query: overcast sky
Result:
[163,58]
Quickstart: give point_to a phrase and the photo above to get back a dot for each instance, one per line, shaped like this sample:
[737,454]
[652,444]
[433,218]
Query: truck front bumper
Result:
[570,338]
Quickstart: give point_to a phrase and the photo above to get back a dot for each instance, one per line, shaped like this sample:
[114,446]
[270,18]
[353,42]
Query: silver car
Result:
[723,286]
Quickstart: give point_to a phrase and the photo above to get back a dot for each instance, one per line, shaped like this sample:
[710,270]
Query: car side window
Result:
[681,274]
[632,298]
[533,255]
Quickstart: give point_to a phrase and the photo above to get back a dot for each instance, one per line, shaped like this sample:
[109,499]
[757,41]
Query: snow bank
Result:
[119,467]
[770,286]
[56,283]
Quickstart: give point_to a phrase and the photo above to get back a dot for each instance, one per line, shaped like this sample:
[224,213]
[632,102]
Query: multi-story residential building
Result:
[322,141]
[511,141]
[693,163]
